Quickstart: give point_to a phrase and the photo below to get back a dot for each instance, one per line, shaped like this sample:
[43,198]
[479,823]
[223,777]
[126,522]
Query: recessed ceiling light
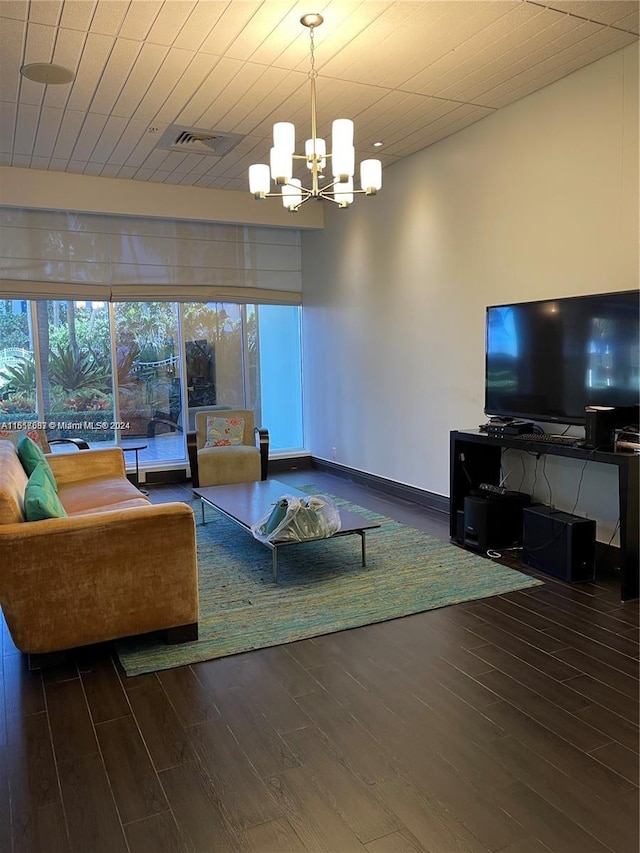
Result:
[378,144]
[47,72]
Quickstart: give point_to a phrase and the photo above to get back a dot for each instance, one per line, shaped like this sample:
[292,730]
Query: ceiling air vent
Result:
[195,140]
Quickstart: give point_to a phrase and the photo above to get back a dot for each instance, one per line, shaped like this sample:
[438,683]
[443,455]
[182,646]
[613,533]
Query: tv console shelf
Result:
[476,458]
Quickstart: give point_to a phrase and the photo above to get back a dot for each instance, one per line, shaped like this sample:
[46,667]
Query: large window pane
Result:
[275,372]
[148,381]
[17,366]
[214,350]
[75,362]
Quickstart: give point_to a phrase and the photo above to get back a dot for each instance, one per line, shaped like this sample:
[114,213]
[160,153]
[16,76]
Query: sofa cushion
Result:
[86,495]
[12,485]
[40,498]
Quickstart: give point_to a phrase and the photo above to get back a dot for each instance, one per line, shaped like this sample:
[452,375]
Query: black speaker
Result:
[599,426]
[560,544]
[493,521]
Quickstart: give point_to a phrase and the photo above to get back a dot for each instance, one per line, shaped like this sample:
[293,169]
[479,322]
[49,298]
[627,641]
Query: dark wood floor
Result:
[508,724]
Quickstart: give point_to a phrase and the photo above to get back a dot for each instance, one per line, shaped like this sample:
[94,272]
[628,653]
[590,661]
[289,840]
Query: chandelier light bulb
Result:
[342,156]
[344,193]
[371,176]
[317,147]
[292,195]
[259,179]
[281,165]
[284,136]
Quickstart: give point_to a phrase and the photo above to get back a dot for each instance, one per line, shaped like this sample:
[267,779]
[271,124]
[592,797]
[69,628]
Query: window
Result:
[140,370]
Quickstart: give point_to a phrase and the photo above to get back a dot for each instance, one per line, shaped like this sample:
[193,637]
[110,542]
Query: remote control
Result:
[495,490]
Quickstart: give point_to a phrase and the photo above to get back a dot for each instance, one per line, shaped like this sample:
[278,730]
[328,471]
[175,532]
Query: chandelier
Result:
[340,190]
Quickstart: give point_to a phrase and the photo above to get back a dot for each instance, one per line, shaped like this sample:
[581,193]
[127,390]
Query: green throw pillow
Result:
[30,455]
[40,498]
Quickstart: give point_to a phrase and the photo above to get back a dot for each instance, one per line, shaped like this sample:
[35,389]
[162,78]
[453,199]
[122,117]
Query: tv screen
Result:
[547,360]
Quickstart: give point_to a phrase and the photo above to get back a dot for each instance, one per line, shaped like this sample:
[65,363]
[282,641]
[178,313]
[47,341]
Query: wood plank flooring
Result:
[507,725]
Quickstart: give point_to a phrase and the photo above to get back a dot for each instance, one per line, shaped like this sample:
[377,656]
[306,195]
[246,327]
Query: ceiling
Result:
[409,73]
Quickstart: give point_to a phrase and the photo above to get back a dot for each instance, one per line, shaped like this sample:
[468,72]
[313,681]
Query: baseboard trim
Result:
[440,503]
[177,475]
[290,463]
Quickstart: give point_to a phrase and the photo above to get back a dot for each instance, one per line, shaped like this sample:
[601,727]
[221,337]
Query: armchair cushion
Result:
[222,432]
[38,435]
[40,498]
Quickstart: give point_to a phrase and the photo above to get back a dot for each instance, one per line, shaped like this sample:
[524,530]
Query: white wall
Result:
[538,200]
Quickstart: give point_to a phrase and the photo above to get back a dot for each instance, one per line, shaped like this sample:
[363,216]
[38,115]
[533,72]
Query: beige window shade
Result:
[15,289]
[203,293]
[60,255]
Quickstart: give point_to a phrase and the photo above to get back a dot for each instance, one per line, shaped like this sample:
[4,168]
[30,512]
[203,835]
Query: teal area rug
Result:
[322,588]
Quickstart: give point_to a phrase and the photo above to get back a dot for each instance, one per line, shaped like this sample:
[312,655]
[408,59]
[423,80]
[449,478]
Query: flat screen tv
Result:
[547,360]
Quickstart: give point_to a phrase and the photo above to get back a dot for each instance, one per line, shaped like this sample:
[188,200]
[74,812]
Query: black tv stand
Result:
[476,458]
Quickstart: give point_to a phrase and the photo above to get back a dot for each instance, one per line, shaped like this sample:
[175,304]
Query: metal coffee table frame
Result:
[246,503]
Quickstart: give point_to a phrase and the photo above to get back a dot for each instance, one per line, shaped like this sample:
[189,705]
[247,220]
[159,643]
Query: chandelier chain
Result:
[312,75]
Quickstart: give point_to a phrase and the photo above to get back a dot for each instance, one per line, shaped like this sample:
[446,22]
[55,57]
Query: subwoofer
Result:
[560,544]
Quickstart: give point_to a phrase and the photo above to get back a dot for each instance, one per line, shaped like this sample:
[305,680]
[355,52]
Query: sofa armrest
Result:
[84,579]
[192,450]
[88,465]
[80,443]
[262,443]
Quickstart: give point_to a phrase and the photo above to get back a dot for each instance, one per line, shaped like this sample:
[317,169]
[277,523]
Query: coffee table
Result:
[247,503]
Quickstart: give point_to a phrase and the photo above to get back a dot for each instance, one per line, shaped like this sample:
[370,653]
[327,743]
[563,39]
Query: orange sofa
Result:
[115,566]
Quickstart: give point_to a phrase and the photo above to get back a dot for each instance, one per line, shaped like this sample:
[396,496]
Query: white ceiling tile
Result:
[170,20]
[7,123]
[188,87]
[21,160]
[469,82]
[144,69]
[39,162]
[128,141]
[108,17]
[108,140]
[139,19]
[45,11]
[85,168]
[88,136]
[126,172]
[201,21]
[58,164]
[68,133]
[229,25]
[170,72]
[78,14]
[50,121]
[556,67]
[620,13]
[39,43]
[15,9]
[90,69]
[111,170]
[26,127]
[260,28]
[199,109]
[121,60]
[11,37]
[67,52]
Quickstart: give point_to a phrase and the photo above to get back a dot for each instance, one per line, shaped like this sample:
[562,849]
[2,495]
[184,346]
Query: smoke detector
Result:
[196,140]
